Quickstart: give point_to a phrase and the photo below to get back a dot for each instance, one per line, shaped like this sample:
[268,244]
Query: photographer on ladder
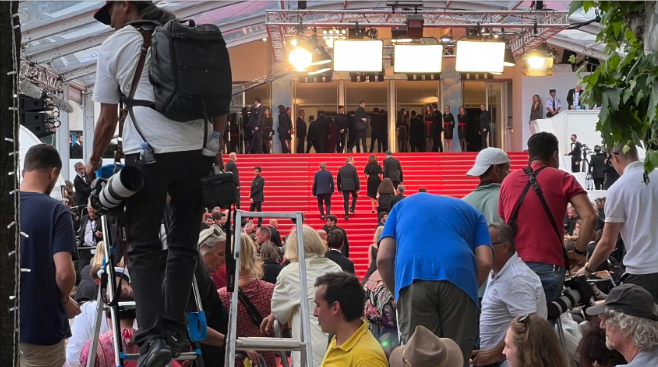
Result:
[167,140]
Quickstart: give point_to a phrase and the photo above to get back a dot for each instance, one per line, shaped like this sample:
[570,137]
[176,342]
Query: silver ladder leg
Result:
[91,358]
[271,344]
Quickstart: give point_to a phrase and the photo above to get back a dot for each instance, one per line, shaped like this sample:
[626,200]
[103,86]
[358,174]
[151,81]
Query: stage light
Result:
[300,58]
[358,56]
[480,57]
[320,56]
[418,59]
[509,57]
[294,42]
[538,62]
[265,39]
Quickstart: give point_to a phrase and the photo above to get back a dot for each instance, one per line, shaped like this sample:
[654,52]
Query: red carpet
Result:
[289,179]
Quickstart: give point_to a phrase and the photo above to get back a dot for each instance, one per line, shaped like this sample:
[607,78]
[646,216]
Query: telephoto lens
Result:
[109,194]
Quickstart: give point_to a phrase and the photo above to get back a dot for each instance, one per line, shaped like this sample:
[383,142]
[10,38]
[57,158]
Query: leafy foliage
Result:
[626,85]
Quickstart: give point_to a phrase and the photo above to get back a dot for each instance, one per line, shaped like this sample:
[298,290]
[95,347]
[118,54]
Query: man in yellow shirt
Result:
[339,303]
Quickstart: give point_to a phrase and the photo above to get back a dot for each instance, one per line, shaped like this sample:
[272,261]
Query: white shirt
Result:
[117,61]
[635,205]
[553,103]
[90,230]
[82,330]
[514,291]
[286,301]
[576,98]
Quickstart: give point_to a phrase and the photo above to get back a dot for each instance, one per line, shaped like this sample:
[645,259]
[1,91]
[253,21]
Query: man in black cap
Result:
[630,320]
[553,105]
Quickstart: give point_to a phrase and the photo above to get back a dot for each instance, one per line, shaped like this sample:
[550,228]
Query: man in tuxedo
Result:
[323,188]
[397,197]
[322,132]
[485,120]
[257,123]
[597,167]
[361,128]
[348,183]
[76,149]
[574,97]
[233,168]
[256,194]
[300,131]
[82,185]
[438,129]
[392,169]
[335,241]
[553,104]
[332,226]
[276,235]
[576,154]
[342,122]
[89,234]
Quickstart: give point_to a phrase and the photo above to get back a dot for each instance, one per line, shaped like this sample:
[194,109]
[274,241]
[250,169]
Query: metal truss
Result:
[435,18]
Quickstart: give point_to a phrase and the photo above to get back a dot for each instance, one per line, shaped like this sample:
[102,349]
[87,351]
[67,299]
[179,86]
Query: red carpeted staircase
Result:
[289,179]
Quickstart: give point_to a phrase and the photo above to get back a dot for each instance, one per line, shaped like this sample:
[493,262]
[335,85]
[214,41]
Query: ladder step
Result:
[183,356]
[269,344]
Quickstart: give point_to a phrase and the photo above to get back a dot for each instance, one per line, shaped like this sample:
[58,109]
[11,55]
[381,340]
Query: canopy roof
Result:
[64,37]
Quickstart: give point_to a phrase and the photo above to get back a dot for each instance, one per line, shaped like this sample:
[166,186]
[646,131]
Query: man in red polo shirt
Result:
[539,242]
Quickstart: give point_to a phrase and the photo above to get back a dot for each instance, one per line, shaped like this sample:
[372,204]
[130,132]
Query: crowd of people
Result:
[252,130]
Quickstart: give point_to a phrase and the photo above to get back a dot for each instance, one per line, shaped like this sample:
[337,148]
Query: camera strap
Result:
[532,177]
[255,316]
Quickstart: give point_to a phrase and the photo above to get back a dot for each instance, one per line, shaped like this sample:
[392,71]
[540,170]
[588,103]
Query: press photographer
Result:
[173,140]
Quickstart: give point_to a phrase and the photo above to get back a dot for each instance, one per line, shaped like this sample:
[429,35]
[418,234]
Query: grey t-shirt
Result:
[644,359]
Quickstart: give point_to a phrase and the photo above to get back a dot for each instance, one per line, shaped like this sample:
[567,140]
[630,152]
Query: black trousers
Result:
[416,146]
[256,144]
[300,144]
[340,143]
[598,183]
[438,144]
[267,143]
[485,141]
[402,146]
[310,145]
[321,145]
[396,184]
[235,140]
[237,198]
[361,137]
[646,281]
[575,165]
[326,199]
[161,309]
[256,207]
[346,202]
[284,147]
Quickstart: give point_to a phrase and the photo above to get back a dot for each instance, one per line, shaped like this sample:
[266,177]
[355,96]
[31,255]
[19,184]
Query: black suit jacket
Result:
[257,118]
[395,200]
[275,236]
[570,97]
[342,123]
[576,151]
[348,178]
[597,165]
[257,186]
[336,256]
[323,182]
[233,168]
[285,126]
[300,128]
[393,169]
[83,225]
[82,191]
[485,120]
[271,270]
[346,246]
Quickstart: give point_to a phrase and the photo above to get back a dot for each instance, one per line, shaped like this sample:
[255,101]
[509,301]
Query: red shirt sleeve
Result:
[570,186]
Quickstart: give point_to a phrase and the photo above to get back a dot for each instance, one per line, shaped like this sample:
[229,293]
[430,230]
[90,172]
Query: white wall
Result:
[562,80]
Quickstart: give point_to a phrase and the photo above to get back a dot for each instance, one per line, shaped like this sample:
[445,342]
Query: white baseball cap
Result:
[486,158]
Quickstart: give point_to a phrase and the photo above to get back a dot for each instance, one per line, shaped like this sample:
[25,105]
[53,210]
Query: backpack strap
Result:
[532,178]
[515,213]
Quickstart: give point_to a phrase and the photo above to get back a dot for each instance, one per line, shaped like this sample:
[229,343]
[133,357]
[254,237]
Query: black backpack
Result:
[190,70]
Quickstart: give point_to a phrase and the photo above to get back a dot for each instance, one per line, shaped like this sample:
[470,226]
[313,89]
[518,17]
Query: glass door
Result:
[497,106]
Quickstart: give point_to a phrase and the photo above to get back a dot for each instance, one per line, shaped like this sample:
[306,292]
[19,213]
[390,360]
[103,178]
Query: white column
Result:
[392,115]
[62,135]
[88,125]
[342,97]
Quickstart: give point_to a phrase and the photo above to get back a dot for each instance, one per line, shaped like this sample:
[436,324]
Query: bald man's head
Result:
[233,157]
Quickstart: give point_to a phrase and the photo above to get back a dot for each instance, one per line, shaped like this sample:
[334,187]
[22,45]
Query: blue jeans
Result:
[552,279]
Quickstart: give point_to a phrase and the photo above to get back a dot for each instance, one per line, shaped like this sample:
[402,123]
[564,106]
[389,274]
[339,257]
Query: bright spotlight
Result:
[536,62]
[300,58]
[293,42]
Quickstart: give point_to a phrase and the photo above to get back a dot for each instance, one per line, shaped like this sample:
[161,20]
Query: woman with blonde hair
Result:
[385,194]
[287,296]
[254,300]
[531,342]
[373,172]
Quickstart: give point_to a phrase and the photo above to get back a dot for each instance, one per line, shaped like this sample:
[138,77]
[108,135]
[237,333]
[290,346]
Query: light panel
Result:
[480,57]
[418,58]
[358,55]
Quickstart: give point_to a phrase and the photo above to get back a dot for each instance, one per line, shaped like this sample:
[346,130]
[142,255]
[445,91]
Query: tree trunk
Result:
[9,128]
[650,27]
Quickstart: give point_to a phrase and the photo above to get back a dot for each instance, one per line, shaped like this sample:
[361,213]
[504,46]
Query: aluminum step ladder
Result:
[197,333]
[270,344]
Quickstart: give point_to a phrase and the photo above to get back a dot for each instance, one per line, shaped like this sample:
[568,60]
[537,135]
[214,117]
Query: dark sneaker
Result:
[158,354]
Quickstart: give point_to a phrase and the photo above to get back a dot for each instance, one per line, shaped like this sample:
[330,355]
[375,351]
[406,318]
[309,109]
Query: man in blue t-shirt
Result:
[434,253]
[48,252]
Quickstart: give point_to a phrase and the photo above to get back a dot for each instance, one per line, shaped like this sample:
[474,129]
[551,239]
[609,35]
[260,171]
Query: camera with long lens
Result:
[107,194]
[577,292]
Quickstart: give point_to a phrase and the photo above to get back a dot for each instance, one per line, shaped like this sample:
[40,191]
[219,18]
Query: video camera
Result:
[108,194]
[577,292]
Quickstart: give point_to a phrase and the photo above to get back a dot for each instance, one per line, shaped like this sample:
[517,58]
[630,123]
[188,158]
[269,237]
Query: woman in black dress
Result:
[428,114]
[267,131]
[403,130]
[448,129]
[462,118]
[373,172]
[385,193]
[535,112]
